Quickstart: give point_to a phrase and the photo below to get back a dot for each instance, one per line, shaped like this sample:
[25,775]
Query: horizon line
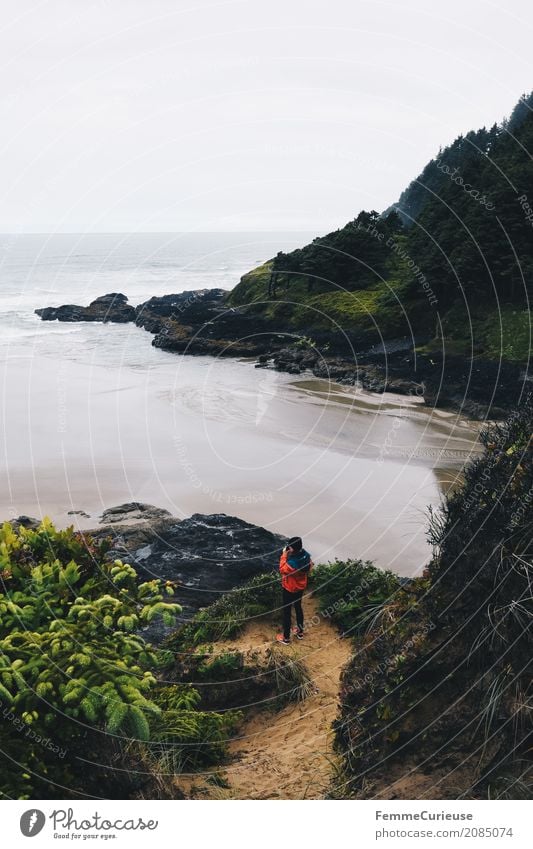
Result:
[141,232]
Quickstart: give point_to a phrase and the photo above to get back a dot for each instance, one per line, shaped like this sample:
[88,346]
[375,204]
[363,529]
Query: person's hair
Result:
[295,543]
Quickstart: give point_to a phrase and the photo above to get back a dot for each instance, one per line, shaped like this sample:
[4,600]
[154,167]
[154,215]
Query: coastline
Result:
[205,322]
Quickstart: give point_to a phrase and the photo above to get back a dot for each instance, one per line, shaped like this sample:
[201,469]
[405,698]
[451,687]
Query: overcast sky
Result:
[133,115]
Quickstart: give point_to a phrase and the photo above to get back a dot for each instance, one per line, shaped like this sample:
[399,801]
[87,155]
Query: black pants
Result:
[288,600]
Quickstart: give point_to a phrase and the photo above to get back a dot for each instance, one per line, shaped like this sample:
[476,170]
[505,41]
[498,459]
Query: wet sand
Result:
[351,471]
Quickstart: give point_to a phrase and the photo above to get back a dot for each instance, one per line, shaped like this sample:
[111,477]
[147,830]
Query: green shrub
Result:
[291,677]
[70,658]
[351,592]
[221,667]
[183,737]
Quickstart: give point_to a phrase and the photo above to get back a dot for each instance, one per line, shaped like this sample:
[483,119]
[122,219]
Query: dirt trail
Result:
[288,754]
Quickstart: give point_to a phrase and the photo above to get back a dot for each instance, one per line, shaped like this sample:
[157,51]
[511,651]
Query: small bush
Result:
[221,667]
[291,676]
[185,738]
[351,592]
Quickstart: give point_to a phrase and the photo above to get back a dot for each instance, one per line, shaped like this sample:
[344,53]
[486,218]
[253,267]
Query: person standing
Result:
[294,566]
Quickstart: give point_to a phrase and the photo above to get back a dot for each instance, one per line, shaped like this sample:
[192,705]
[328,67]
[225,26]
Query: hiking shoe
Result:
[298,633]
[281,639]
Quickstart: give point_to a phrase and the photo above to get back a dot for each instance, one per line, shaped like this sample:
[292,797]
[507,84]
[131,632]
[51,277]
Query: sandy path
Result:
[288,754]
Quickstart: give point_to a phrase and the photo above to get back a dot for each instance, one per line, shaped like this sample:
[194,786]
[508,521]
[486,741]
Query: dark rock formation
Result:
[152,313]
[351,372]
[203,323]
[26,521]
[204,555]
[112,307]
[194,322]
[134,511]
[477,387]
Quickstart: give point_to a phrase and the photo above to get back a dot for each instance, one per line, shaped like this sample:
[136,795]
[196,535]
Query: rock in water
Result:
[192,322]
[152,314]
[111,307]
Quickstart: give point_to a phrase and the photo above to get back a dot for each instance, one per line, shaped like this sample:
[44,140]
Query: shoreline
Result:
[201,322]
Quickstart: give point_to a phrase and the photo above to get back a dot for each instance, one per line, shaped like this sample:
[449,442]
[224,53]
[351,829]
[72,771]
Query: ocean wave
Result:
[56,331]
[17,334]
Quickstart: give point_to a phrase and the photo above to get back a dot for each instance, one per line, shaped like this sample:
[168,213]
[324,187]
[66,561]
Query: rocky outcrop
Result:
[112,307]
[152,314]
[199,321]
[29,522]
[473,385]
[205,324]
[134,512]
[205,555]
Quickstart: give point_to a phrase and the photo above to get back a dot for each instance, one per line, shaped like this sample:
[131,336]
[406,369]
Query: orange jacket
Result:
[294,578]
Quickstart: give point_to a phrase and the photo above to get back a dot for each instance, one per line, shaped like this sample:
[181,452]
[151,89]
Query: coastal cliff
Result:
[429,298]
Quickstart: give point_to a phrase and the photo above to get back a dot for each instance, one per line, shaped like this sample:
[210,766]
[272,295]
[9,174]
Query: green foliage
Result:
[305,343]
[488,521]
[291,676]
[185,738]
[343,279]
[252,286]
[221,667]
[472,250]
[483,569]
[70,657]
[349,591]
[227,617]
